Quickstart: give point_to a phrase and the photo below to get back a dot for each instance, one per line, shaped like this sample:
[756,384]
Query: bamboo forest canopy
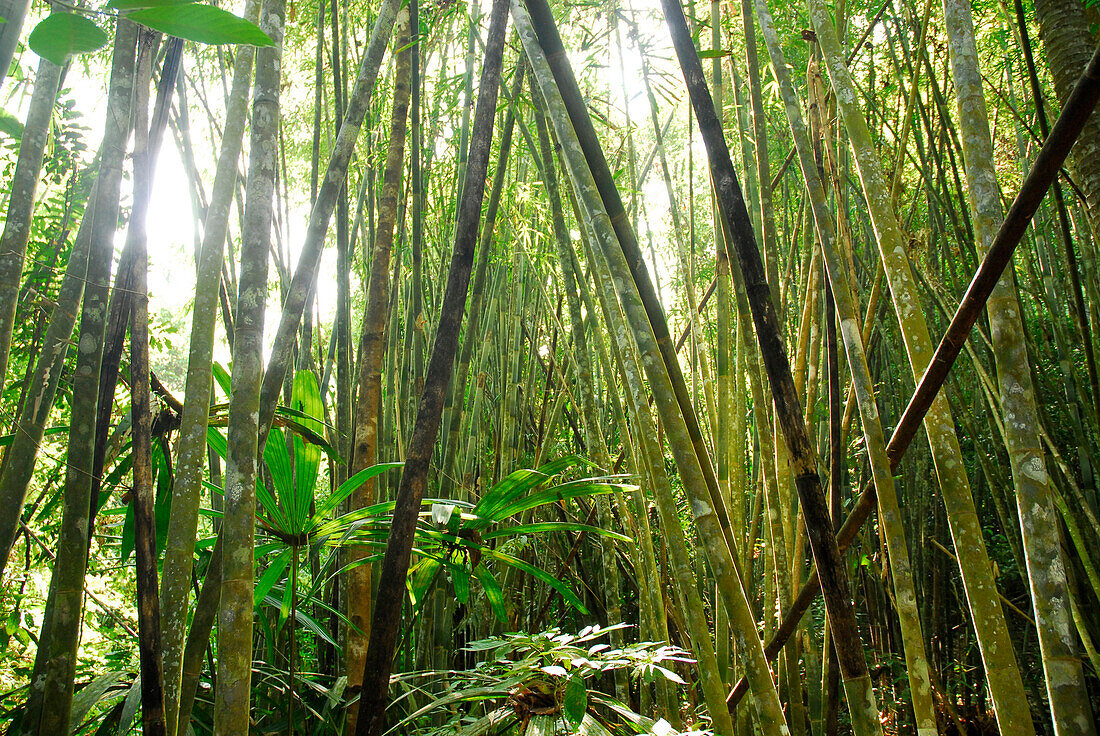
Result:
[550,366]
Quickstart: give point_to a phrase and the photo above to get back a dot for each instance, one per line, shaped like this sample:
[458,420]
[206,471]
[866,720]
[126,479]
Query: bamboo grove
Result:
[534,368]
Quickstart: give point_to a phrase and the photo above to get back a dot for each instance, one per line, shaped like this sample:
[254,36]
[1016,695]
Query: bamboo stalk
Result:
[1042,174]
[391,584]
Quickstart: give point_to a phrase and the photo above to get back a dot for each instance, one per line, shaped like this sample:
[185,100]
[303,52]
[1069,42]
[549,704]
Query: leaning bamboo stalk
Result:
[641,332]
[1069,704]
[612,203]
[21,200]
[594,438]
[455,410]
[1046,168]
[1002,672]
[651,460]
[857,682]
[147,141]
[889,511]
[305,273]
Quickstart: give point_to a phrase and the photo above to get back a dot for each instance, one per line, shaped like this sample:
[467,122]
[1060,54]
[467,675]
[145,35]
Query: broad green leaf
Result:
[62,34]
[126,547]
[592,727]
[201,23]
[162,505]
[139,4]
[217,442]
[581,488]
[305,398]
[563,463]
[277,460]
[130,707]
[421,579]
[565,591]
[575,702]
[542,725]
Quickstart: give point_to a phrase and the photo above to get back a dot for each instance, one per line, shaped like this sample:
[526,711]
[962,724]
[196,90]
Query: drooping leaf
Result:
[201,23]
[90,694]
[130,706]
[460,578]
[580,488]
[553,526]
[60,35]
[304,619]
[575,702]
[493,593]
[566,592]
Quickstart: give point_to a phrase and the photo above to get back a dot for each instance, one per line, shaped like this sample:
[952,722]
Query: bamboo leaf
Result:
[201,23]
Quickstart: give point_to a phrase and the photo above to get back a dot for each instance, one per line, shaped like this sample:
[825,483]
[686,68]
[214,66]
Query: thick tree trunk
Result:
[1069,44]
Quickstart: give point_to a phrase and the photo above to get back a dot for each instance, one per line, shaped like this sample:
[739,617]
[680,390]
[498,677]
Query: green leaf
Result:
[201,23]
[222,377]
[272,575]
[277,460]
[305,398]
[575,489]
[347,487]
[140,4]
[493,592]
[10,125]
[460,577]
[553,526]
[713,53]
[63,34]
[514,485]
[91,694]
[422,577]
[576,700]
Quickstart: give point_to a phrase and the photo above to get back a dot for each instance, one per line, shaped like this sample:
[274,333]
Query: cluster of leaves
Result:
[539,682]
[62,34]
